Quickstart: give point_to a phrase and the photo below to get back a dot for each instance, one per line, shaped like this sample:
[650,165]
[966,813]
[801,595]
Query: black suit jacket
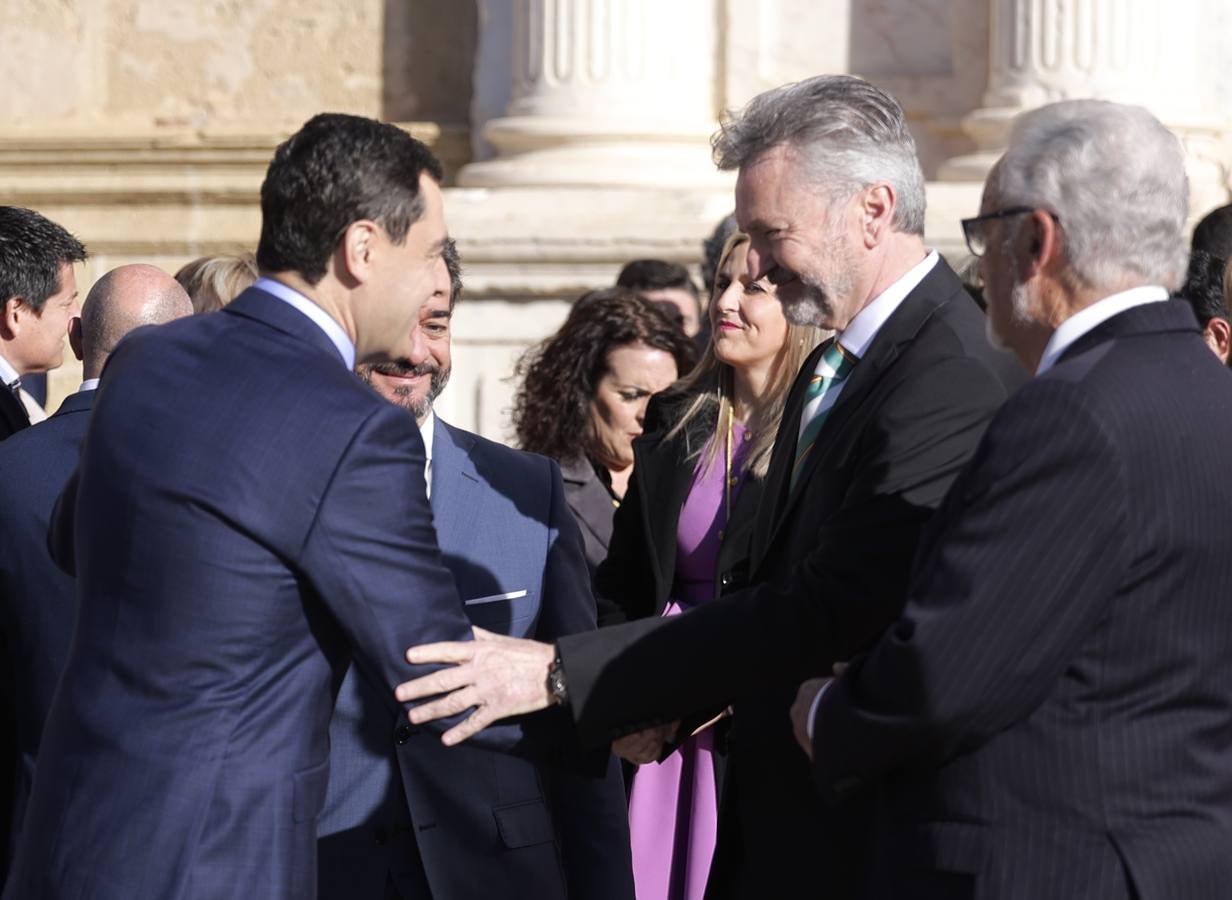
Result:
[1054,707]
[635,580]
[37,601]
[830,574]
[13,415]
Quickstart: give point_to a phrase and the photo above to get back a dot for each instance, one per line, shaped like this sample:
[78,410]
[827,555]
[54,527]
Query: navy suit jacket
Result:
[247,512]
[37,600]
[482,821]
[1053,711]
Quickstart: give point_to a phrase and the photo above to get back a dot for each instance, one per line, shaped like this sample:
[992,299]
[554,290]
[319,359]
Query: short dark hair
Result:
[32,250]
[1213,234]
[1203,287]
[551,409]
[655,275]
[336,170]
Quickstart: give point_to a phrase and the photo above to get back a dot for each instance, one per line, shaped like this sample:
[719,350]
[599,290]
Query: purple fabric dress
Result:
[673,810]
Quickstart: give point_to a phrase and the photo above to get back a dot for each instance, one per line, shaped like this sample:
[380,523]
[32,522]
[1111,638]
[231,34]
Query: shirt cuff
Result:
[812,716]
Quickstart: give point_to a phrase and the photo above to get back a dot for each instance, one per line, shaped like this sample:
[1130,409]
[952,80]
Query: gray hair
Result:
[1114,177]
[850,133]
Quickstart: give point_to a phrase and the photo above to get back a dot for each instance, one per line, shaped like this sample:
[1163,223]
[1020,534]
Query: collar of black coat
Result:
[1166,316]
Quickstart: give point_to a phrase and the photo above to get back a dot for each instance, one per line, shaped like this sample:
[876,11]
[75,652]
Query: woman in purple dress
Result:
[682,537]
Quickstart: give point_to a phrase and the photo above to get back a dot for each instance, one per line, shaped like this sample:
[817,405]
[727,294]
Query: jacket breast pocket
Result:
[504,612]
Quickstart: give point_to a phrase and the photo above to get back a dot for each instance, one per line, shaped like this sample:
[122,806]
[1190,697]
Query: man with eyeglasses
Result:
[1051,710]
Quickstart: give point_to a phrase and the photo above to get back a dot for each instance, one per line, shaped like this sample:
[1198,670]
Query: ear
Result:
[74,337]
[1218,335]
[10,322]
[1042,244]
[877,205]
[356,251]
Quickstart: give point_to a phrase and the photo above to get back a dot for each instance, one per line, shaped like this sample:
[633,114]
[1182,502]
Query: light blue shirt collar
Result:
[337,336]
[90,384]
[1090,317]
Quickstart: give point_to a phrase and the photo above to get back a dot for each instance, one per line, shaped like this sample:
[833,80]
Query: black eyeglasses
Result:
[973,229]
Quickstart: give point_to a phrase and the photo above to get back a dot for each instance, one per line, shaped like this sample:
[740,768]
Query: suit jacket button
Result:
[403,733]
[725,579]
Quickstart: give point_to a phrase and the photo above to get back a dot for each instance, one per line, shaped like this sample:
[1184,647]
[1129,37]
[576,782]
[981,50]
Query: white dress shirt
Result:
[426,430]
[89,384]
[335,332]
[1096,314]
[7,373]
[855,339]
[861,330]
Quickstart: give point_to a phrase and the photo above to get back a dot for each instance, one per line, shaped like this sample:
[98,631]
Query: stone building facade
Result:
[575,132]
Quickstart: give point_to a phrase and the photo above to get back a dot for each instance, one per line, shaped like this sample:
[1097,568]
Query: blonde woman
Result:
[682,537]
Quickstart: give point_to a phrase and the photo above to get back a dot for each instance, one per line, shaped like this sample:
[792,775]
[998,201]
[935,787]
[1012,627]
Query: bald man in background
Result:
[37,600]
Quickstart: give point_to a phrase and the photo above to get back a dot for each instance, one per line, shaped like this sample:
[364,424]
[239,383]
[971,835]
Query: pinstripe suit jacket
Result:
[1053,711]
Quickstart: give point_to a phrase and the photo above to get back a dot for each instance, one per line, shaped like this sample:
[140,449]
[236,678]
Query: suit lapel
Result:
[455,486]
[898,331]
[782,458]
[12,412]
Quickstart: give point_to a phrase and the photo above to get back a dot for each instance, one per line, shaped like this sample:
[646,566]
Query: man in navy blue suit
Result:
[38,297]
[38,604]
[247,516]
[478,821]
[1050,716]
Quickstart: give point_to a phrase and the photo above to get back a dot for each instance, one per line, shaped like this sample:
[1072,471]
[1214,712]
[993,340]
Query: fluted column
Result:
[1040,51]
[606,93]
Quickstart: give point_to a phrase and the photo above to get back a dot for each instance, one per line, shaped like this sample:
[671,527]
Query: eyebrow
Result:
[440,313]
[439,247]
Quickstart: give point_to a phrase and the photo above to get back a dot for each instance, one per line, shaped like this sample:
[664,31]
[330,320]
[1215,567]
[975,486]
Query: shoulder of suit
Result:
[506,455]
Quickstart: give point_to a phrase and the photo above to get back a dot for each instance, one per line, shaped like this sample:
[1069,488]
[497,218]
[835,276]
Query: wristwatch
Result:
[558,688]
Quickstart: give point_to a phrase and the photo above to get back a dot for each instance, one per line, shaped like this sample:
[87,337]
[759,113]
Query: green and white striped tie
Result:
[834,368]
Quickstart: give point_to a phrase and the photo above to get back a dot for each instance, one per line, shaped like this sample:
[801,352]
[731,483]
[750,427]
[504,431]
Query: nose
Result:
[640,415]
[729,300]
[419,346]
[760,261]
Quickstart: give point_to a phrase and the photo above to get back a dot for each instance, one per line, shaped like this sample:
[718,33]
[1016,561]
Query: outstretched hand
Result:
[498,676]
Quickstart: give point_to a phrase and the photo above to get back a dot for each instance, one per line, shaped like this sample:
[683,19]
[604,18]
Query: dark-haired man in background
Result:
[236,545]
[38,293]
[668,284]
[1204,291]
[38,290]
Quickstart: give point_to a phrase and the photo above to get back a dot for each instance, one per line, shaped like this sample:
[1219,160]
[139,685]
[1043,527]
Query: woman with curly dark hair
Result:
[583,395]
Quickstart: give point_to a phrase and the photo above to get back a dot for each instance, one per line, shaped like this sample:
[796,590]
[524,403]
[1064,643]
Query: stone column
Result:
[607,93]
[1132,51]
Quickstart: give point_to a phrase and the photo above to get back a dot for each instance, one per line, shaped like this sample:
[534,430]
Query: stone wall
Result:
[145,125]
